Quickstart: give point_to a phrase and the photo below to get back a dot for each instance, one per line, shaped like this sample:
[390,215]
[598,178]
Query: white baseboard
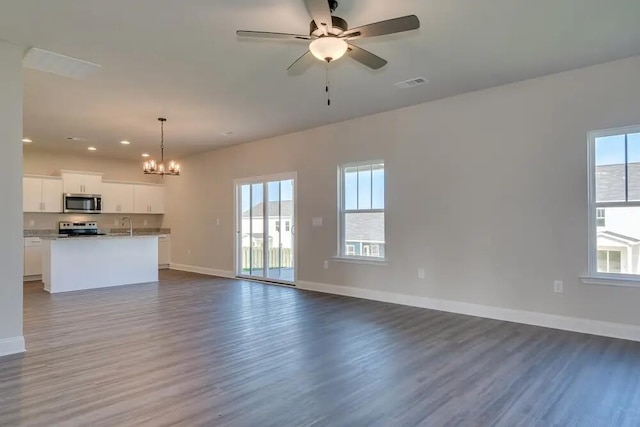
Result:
[11,346]
[203,270]
[554,321]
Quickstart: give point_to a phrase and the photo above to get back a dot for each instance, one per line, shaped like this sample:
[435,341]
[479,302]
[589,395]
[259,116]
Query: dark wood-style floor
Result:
[193,350]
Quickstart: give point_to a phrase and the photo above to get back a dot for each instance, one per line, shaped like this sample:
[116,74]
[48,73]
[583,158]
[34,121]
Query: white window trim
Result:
[593,277]
[354,259]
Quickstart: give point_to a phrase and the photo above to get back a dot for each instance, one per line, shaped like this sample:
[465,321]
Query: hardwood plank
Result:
[197,350]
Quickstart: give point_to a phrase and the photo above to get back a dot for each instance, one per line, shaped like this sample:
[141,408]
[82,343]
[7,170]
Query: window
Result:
[361,205]
[614,202]
[375,250]
[610,261]
[601,217]
[278,226]
[287,226]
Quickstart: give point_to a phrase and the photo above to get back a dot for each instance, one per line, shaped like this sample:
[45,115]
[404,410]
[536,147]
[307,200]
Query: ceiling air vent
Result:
[418,81]
[62,65]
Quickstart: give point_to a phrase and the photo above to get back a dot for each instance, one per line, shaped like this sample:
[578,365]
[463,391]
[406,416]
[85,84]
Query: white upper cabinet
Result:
[32,194]
[117,197]
[148,199]
[52,195]
[41,194]
[82,182]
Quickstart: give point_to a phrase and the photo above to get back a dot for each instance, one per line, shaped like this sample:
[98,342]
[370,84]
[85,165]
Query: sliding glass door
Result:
[266,228]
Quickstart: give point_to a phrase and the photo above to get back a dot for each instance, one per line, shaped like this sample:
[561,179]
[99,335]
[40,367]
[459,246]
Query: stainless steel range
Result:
[79,229]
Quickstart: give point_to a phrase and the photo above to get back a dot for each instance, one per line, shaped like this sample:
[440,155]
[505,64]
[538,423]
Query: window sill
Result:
[358,260]
[625,281]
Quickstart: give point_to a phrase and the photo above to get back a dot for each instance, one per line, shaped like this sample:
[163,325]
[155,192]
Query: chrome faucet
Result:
[130,225]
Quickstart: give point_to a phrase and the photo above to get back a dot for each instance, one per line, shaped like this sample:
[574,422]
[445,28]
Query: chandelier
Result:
[150,167]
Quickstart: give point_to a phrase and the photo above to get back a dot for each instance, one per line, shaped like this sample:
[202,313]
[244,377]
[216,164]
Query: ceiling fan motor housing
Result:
[339,27]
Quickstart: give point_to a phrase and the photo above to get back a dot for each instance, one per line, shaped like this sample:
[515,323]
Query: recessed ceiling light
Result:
[145,155]
[92,149]
[227,134]
[125,142]
[27,140]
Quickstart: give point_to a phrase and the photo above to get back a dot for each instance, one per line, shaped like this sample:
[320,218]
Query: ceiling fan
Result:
[330,36]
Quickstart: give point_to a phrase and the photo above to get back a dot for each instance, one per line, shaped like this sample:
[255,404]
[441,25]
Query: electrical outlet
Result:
[558,287]
[326,265]
[116,222]
[188,251]
[218,222]
[32,223]
[421,274]
[146,222]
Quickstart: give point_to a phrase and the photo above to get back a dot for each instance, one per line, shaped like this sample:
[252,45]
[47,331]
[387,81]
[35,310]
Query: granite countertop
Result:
[103,237]
[114,232]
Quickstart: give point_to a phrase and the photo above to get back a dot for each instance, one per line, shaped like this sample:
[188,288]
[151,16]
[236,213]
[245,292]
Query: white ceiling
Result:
[181,59]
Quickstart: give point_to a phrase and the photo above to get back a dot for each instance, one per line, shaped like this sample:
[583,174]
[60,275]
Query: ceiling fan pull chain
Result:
[327,86]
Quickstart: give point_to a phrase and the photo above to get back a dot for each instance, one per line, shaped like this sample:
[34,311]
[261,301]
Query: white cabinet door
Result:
[78,183]
[117,198]
[164,251]
[141,199]
[92,184]
[31,194]
[156,200]
[32,256]
[72,183]
[149,199]
[52,195]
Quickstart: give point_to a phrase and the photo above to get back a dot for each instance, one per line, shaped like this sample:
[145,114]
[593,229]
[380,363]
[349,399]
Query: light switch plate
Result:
[558,287]
[32,223]
[317,222]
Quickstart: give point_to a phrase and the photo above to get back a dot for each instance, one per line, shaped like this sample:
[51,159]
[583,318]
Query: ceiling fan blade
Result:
[301,64]
[366,58]
[321,14]
[272,36]
[397,25]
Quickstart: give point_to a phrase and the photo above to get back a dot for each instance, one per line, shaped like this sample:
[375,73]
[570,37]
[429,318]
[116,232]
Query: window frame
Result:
[594,277]
[342,212]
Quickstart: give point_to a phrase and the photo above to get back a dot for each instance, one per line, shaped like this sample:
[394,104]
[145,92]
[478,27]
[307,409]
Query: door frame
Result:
[237,263]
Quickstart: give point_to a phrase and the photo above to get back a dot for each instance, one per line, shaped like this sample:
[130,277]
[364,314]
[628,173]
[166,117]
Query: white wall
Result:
[487,191]
[11,195]
[39,161]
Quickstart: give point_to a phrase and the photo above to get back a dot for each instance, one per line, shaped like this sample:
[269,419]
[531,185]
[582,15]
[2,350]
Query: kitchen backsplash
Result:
[43,221]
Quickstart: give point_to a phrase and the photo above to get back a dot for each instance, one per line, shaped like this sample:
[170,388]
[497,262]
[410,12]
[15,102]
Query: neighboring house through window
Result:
[601,217]
[361,210]
[614,202]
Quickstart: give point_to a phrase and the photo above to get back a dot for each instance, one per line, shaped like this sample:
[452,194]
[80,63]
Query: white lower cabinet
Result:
[32,256]
[164,251]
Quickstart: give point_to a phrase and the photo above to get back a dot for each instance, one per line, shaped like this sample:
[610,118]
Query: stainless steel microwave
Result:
[82,203]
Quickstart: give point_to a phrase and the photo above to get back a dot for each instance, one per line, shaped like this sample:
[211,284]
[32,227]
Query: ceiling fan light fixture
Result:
[328,48]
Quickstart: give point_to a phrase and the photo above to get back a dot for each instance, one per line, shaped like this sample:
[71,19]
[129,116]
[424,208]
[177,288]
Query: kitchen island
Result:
[78,263]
